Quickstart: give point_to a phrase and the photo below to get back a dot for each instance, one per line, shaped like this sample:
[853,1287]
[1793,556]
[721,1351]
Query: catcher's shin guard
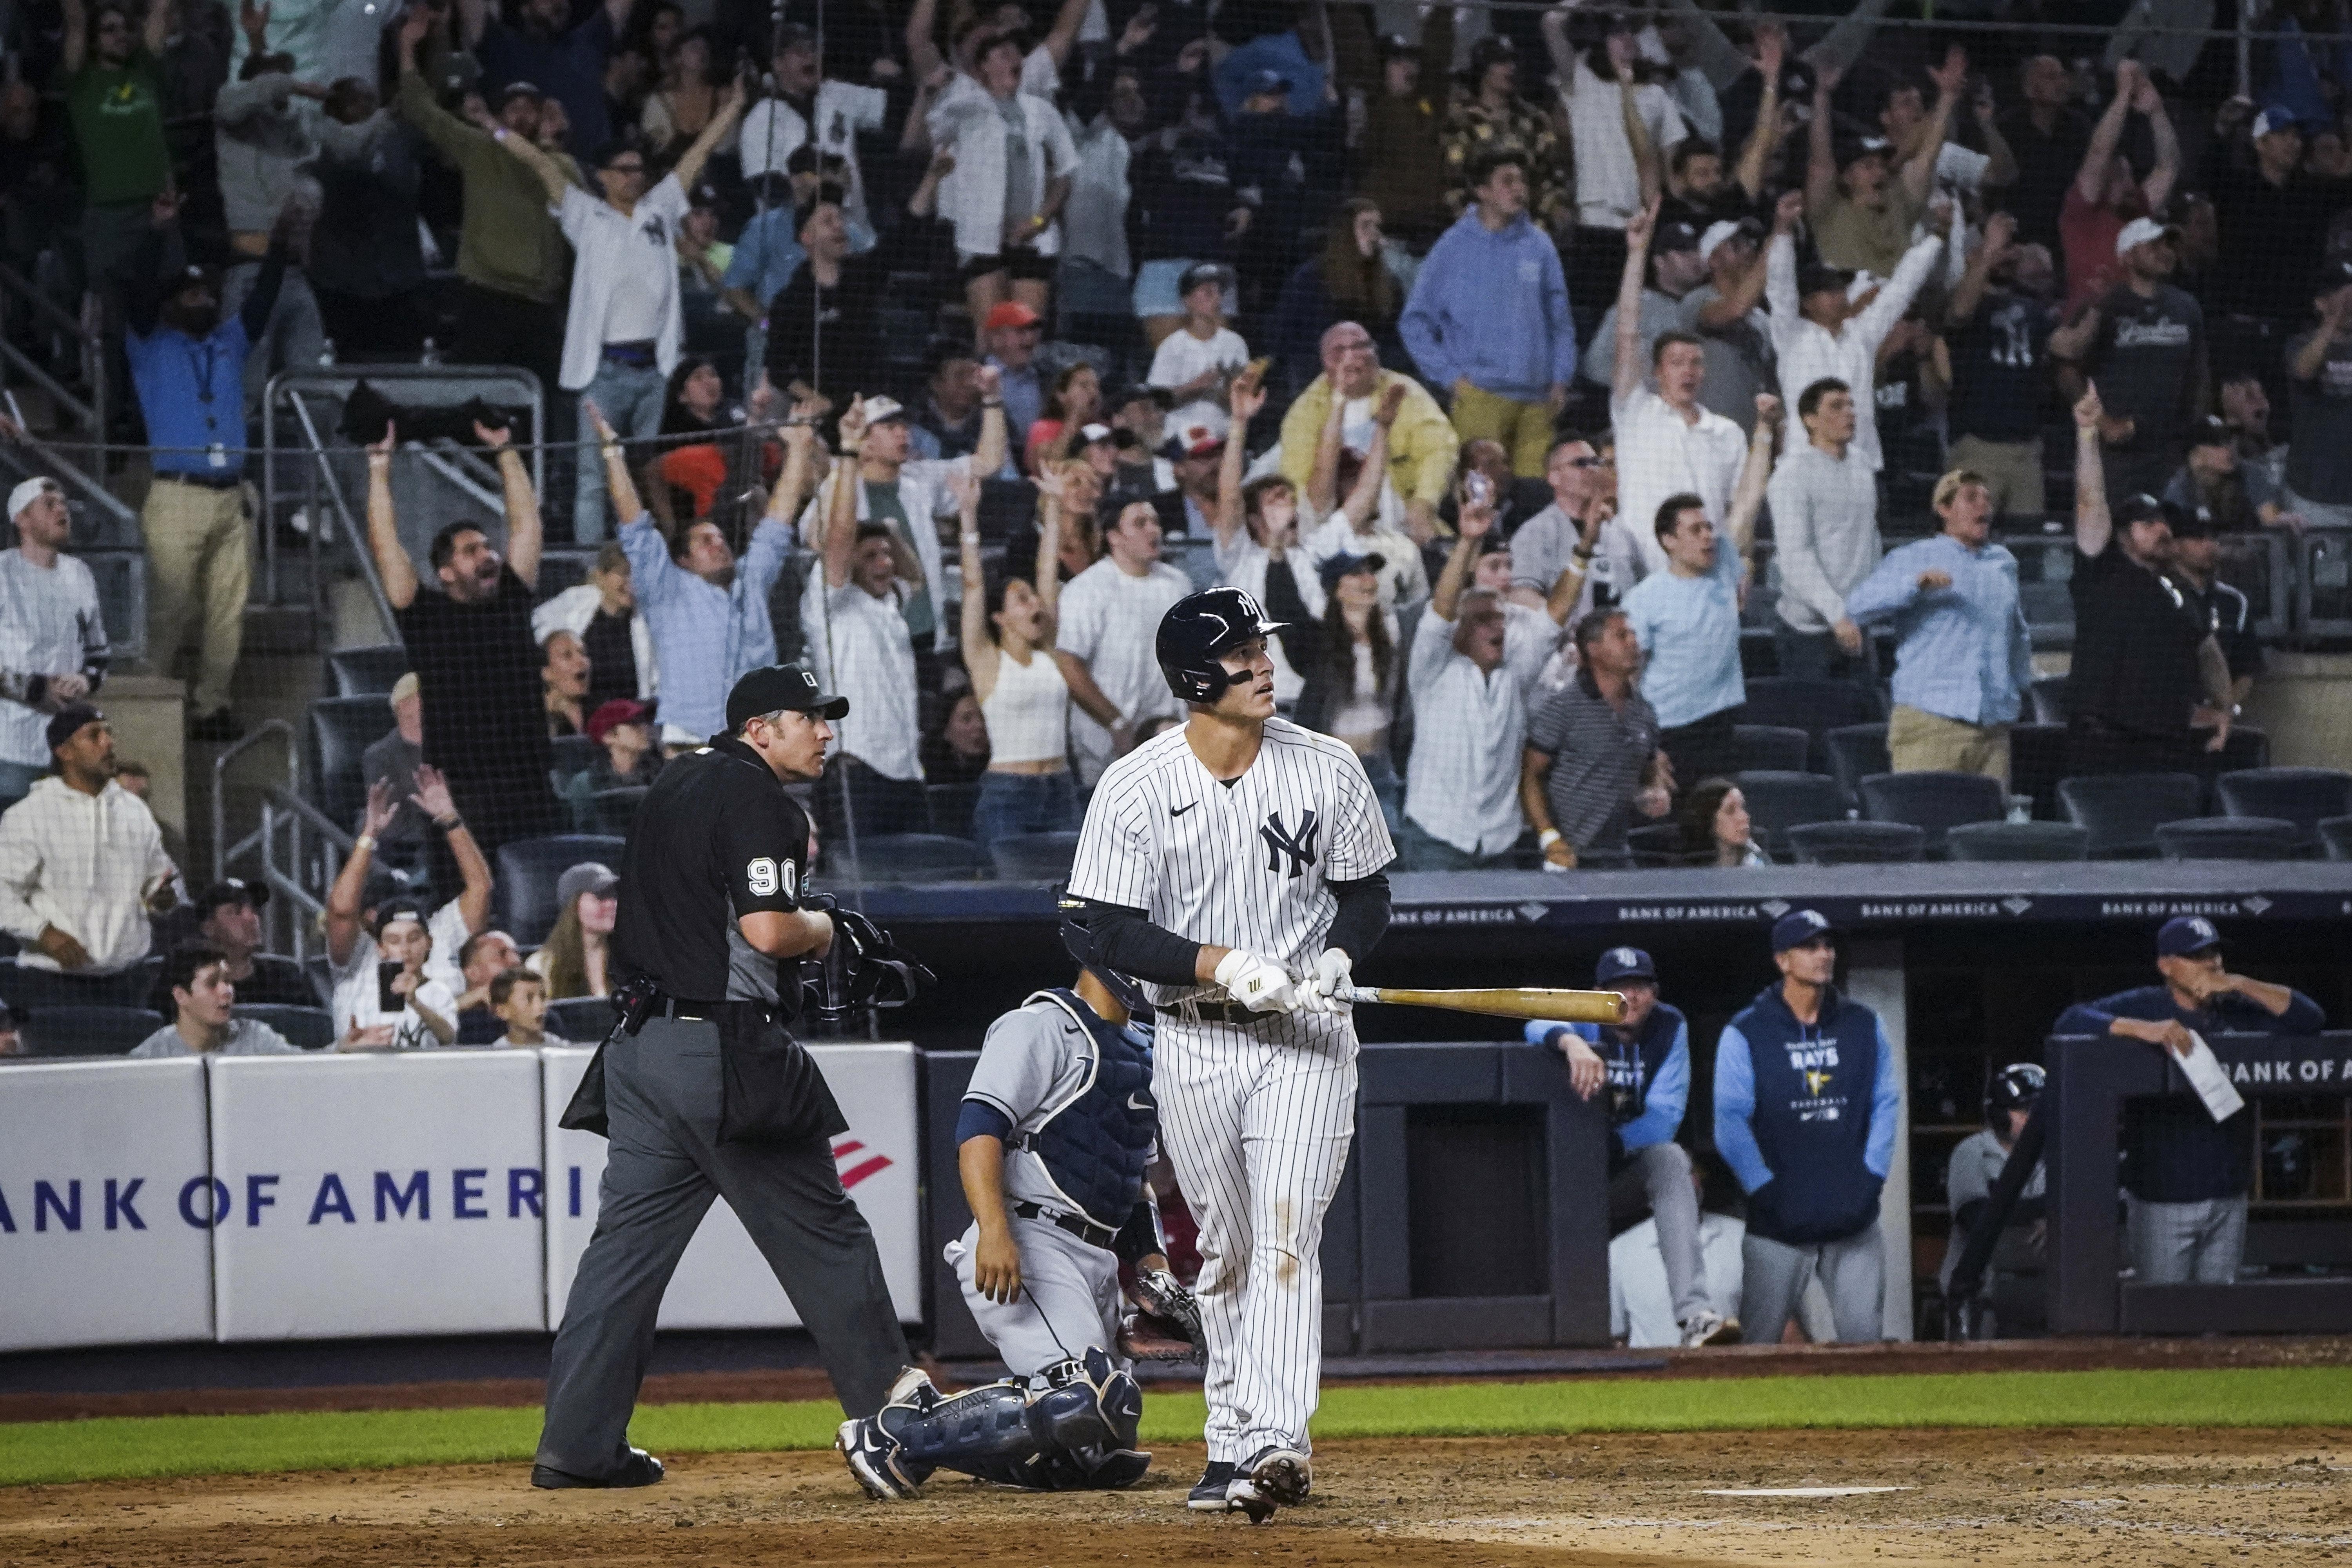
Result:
[1052,1440]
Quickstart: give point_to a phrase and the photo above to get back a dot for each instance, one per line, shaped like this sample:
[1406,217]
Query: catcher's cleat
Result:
[1208,1494]
[1281,1474]
[870,1454]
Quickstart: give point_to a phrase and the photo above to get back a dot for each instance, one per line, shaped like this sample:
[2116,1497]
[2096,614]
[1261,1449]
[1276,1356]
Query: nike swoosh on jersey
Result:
[1180,810]
[1135,1104]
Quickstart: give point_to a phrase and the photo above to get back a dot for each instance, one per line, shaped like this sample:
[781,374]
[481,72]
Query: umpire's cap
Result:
[2014,1088]
[1197,629]
[776,687]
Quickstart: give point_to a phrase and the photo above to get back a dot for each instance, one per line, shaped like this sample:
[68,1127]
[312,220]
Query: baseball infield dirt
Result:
[2150,1498]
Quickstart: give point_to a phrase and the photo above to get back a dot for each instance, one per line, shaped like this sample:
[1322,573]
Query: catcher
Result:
[1055,1134]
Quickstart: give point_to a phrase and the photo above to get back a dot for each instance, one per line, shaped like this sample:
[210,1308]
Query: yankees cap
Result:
[1798,927]
[1624,963]
[2185,934]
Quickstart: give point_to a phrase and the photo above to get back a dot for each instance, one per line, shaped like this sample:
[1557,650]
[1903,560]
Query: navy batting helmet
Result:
[1197,629]
[2014,1088]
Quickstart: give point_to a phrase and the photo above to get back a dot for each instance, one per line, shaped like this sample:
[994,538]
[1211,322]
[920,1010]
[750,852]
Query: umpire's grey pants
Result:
[2179,1243]
[1852,1272]
[661,1093]
[1659,1174]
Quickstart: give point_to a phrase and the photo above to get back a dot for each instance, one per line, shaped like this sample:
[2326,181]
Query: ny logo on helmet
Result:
[1281,841]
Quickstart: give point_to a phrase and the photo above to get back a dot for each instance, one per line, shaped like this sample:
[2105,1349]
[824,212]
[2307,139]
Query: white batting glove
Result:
[1256,984]
[1334,973]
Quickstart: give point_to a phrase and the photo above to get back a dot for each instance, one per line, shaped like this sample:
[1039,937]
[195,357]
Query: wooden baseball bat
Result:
[1504,1002]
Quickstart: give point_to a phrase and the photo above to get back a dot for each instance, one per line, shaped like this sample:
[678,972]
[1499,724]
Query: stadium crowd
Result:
[945,348]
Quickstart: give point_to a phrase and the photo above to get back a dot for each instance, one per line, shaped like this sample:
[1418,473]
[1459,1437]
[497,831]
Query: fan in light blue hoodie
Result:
[1490,304]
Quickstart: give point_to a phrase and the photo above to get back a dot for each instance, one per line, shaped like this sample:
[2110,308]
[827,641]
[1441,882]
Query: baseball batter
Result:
[1056,1130]
[1234,866]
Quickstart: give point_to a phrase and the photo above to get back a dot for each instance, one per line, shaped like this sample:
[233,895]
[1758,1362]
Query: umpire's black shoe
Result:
[640,1470]
[1208,1494]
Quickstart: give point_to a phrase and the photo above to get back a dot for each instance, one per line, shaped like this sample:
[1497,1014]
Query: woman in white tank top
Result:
[1008,651]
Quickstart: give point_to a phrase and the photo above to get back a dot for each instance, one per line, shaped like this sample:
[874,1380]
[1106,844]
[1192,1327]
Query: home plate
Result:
[1801,1491]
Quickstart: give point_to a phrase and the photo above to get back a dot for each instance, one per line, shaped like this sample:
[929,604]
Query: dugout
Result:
[1970,964]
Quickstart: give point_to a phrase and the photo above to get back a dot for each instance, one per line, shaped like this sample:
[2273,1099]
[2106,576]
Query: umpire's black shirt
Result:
[716,839]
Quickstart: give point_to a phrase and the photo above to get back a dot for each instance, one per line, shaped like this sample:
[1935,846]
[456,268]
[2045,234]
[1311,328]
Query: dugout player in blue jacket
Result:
[1807,1102]
[2185,1175]
[1646,1063]
[1056,1130]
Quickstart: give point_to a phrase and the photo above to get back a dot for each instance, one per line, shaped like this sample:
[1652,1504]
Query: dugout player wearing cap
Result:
[2185,1175]
[2009,1298]
[1056,1130]
[1234,866]
[713,914]
[1646,1063]
[1807,1102]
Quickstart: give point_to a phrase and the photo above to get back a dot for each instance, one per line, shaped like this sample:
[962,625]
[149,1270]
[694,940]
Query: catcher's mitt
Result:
[1166,1323]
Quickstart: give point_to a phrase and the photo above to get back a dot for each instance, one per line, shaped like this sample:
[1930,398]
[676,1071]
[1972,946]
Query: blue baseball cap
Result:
[1798,927]
[2185,934]
[1624,963]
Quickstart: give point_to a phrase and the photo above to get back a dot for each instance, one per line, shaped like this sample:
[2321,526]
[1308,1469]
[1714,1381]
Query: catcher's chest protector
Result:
[1095,1144]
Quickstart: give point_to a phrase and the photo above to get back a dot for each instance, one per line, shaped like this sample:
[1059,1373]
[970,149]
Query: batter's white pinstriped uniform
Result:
[1255,1116]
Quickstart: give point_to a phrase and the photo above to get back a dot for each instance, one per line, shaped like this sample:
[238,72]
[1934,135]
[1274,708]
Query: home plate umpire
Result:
[704,1094]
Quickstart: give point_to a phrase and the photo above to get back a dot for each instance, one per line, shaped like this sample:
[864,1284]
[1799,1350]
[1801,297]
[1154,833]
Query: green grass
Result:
[114,1447]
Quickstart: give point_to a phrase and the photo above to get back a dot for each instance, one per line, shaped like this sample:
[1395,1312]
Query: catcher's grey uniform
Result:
[1040,1063]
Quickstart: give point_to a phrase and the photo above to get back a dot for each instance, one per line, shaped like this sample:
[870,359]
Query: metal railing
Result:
[296,850]
[18,291]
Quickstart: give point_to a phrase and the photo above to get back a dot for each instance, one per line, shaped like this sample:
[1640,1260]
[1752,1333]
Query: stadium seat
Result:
[951,807]
[2303,796]
[88,1031]
[1857,843]
[617,809]
[528,869]
[342,729]
[1034,857]
[2226,838]
[2122,810]
[2050,704]
[2018,841]
[907,858]
[570,754]
[1856,752]
[1778,801]
[1935,802]
[1771,748]
[362,671]
[1656,844]
[2336,833]
[583,1020]
[309,1028]
[26,986]
[1816,706]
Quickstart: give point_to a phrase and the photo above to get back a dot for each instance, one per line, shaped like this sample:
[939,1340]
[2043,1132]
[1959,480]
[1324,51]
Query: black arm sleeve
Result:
[1363,916]
[143,284]
[1299,632]
[255,313]
[1138,1239]
[1121,938]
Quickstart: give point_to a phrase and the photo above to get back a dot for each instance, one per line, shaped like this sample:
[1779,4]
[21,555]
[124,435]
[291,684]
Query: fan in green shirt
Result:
[114,98]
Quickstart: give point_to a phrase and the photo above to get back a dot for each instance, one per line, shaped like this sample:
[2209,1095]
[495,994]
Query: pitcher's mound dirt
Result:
[2149,1499]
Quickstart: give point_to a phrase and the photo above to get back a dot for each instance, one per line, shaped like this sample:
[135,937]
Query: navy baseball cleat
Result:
[867,1452]
[1208,1494]
[1282,1475]
[639,1470]
[1244,1495]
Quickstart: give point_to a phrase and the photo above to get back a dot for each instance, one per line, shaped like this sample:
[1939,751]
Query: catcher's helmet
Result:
[2014,1088]
[1199,627]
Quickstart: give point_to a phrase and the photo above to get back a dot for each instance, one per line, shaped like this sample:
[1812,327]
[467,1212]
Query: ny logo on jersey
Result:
[1281,841]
